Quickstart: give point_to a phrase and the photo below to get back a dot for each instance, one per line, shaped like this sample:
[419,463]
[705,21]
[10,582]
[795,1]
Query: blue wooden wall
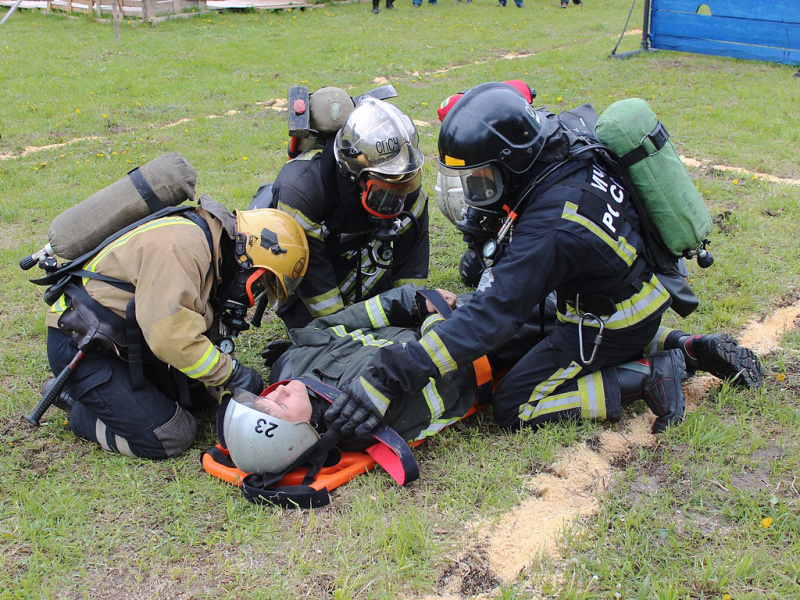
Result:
[754,29]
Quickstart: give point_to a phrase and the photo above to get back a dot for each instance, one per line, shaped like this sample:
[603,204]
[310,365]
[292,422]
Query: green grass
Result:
[682,519]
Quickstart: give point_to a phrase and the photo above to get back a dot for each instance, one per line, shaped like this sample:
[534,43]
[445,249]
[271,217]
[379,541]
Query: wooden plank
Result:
[717,48]
[739,31]
[760,10]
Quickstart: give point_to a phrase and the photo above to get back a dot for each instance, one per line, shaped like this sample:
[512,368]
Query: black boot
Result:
[662,389]
[720,355]
[63,401]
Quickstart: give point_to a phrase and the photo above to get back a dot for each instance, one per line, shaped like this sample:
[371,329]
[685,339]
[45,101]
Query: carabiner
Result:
[598,339]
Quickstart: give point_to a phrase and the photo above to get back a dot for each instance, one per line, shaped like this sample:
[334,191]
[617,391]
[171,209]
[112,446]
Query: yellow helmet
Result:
[272,245]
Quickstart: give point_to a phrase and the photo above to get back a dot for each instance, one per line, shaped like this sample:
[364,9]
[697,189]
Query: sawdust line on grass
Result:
[571,488]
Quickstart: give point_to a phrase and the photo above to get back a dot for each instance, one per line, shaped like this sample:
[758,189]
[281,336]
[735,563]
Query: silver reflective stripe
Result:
[416,210]
[437,352]
[312,229]
[430,321]
[368,278]
[379,400]
[377,315]
[324,307]
[122,446]
[629,312]
[434,400]
[358,335]
[592,393]
[657,345]
[100,434]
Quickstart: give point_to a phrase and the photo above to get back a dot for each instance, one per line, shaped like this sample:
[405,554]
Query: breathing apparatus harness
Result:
[66,279]
[387,228]
[590,307]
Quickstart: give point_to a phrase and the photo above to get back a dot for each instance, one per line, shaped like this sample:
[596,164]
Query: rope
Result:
[621,35]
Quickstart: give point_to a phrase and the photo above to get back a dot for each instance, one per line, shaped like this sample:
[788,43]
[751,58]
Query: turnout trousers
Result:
[146,422]
[550,383]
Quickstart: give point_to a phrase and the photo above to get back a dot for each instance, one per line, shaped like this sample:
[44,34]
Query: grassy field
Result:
[710,511]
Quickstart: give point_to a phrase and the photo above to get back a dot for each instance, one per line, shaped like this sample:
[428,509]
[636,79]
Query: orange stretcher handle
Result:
[230,475]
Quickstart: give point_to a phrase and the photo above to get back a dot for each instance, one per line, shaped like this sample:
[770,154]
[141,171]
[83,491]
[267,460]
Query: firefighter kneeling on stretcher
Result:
[182,275]
[564,239]
[270,433]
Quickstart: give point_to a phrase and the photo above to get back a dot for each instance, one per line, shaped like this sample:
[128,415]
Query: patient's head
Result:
[288,401]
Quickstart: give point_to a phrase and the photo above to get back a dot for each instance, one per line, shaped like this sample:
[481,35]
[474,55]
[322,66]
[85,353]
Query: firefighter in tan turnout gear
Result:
[177,283]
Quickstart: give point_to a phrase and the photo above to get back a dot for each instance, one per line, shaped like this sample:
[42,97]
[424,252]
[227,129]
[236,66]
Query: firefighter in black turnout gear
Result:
[359,200]
[568,227]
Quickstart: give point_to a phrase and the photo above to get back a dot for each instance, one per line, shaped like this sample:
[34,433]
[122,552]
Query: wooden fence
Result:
[154,10]
[147,10]
[752,29]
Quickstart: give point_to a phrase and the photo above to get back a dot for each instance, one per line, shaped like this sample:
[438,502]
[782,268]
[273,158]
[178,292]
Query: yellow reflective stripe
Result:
[377,316]
[307,155]
[437,352]
[203,366]
[157,224]
[60,305]
[416,210]
[635,309]
[358,335]
[380,401]
[430,321]
[620,246]
[660,339]
[312,228]
[542,401]
[592,394]
[417,281]
[325,304]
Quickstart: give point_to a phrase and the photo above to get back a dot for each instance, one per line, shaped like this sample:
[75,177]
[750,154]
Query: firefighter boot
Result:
[720,355]
[662,389]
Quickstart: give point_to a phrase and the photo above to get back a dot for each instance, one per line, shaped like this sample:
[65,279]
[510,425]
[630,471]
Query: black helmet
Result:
[490,133]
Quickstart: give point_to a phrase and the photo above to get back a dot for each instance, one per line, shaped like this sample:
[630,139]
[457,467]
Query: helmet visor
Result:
[257,283]
[384,196]
[483,185]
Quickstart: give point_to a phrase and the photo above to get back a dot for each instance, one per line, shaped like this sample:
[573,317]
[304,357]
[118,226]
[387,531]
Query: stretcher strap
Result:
[481,366]
[391,452]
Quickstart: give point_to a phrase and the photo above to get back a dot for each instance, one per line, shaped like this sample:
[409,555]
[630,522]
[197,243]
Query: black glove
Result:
[349,415]
[274,351]
[470,268]
[244,378]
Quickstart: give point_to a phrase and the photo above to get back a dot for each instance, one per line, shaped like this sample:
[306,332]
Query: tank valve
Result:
[31,261]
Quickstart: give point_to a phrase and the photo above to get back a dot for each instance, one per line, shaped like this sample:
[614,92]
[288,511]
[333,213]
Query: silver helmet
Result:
[261,443]
[380,139]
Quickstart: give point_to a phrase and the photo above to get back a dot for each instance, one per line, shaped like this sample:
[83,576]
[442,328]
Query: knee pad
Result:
[177,434]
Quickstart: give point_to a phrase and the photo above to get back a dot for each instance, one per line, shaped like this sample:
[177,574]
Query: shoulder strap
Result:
[77,264]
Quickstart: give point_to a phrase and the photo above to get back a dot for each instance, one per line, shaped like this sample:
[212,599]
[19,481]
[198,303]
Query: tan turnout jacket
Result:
[169,263]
